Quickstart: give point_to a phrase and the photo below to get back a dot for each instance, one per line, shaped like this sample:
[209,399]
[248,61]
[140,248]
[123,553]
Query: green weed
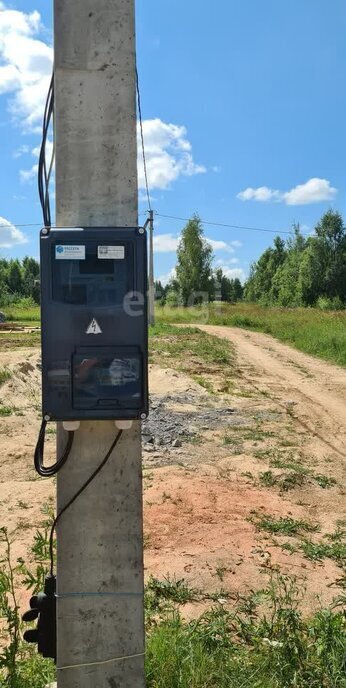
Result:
[264,642]
[204,383]
[172,590]
[283,525]
[5,375]
[333,547]
[20,666]
[249,648]
[325,482]
[268,479]
[6,411]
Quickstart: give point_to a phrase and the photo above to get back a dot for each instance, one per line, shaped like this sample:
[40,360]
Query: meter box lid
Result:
[94,323]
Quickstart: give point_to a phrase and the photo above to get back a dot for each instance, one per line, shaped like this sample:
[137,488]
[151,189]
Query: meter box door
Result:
[94,323]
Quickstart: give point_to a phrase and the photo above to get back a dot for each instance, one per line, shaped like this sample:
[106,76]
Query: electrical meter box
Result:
[94,323]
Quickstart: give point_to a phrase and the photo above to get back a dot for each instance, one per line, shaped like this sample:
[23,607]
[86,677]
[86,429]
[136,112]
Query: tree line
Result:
[195,278]
[19,279]
[303,271]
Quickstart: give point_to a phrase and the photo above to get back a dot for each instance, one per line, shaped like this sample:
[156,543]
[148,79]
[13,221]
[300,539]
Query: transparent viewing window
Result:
[106,380]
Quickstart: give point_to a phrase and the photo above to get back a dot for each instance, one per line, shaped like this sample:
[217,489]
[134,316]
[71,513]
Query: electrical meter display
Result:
[94,323]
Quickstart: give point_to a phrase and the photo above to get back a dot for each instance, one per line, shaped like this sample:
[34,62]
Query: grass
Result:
[333,546]
[315,332]
[283,525]
[171,590]
[193,352]
[18,340]
[285,482]
[23,315]
[246,648]
[176,342]
[5,375]
[204,383]
[229,440]
[324,481]
[263,641]
[6,411]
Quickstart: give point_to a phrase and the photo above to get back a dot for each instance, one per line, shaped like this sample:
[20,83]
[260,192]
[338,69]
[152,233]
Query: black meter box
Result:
[94,323]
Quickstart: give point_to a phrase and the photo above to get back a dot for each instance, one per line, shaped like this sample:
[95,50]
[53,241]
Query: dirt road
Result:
[261,436]
[316,389]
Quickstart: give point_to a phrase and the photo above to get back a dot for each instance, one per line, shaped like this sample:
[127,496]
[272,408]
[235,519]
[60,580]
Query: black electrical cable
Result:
[73,499]
[142,140]
[49,471]
[43,174]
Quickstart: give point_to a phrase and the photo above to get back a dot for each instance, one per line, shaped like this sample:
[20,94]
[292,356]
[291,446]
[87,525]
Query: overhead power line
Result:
[181,219]
[226,225]
[28,224]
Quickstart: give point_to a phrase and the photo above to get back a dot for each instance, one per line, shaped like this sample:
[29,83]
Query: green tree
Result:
[194,273]
[285,280]
[331,237]
[259,284]
[238,290]
[31,276]
[309,281]
[222,286]
[14,278]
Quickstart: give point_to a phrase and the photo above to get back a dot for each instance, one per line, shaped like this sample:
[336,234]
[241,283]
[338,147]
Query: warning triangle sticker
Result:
[94,327]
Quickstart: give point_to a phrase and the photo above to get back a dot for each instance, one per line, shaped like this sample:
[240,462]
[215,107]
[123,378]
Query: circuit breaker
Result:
[94,323]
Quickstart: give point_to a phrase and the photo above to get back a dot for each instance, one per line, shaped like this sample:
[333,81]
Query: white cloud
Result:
[236,243]
[168,243]
[28,175]
[10,235]
[229,261]
[262,193]
[232,273]
[25,72]
[315,190]
[220,245]
[22,150]
[164,279]
[168,154]
[165,243]
[25,65]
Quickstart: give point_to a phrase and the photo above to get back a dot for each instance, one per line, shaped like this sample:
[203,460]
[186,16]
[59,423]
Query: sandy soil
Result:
[201,497]
[318,389]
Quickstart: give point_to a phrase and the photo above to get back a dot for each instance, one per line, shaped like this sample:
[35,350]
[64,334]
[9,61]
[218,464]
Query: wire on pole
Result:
[142,140]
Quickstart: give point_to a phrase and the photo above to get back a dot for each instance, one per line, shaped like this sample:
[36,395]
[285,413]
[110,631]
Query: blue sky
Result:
[244,118]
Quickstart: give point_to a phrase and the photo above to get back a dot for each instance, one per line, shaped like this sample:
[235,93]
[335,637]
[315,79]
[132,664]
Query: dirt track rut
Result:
[317,388]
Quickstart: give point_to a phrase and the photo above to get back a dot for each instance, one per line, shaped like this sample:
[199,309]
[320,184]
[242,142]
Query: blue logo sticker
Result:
[60,249]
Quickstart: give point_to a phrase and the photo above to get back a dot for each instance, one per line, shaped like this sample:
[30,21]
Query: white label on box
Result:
[111,252]
[69,252]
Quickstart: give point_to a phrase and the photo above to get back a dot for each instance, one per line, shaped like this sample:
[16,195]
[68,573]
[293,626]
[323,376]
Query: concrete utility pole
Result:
[151,295]
[100,542]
